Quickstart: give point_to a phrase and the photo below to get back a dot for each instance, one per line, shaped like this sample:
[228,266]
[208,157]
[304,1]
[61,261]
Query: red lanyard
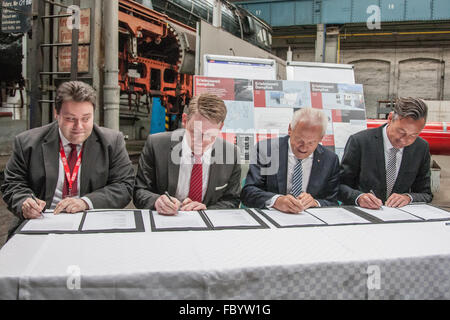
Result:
[70,180]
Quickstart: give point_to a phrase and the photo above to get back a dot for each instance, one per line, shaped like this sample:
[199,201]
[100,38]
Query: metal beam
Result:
[38,9]
[310,12]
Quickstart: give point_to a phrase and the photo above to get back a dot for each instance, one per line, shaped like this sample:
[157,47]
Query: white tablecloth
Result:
[411,261]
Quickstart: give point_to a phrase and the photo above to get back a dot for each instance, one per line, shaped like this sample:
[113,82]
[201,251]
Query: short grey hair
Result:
[312,116]
[76,91]
[409,107]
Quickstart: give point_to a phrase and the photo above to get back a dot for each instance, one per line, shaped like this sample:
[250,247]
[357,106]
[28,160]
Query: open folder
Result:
[313,217]
[91,221]
[411,212]
[206,220]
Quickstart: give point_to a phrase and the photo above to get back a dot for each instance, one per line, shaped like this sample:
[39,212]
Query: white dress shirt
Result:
[306,170]
[61,174]
[186,163]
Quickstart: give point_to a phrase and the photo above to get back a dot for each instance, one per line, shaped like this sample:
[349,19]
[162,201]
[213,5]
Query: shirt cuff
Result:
[271,201]
[410,196]
[318,203]
[89,202]
[356,200]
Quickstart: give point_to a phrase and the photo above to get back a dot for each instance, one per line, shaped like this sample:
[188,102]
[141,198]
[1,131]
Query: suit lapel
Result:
[283,164]
[407,158]
[213,173]
[214,170]
[91,152]
[173,169]
[380,163]
[316,169]
[50,152]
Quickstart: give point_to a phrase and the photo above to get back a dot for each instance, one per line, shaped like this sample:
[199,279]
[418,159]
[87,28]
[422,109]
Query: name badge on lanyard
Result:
[70,180]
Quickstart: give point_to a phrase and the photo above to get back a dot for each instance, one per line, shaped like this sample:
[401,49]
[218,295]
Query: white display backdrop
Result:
[320,72]
[239,67]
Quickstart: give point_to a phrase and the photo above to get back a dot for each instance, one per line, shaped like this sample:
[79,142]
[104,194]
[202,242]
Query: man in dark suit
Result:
[389,164]
[69,165]
[294,172]
[197,169]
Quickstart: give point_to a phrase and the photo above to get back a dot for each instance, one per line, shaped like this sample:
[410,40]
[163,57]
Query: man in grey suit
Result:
[69,165]
[389,164]
[196,168]
[294,173]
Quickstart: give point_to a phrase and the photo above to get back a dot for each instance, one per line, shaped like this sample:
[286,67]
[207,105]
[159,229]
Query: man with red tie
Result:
[69,165]
[191,168]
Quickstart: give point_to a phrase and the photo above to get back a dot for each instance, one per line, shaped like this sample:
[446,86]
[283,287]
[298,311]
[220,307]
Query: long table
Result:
[374,261]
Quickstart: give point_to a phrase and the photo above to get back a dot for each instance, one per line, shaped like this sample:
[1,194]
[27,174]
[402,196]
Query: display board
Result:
[320,72]
[237,67]
[261,109]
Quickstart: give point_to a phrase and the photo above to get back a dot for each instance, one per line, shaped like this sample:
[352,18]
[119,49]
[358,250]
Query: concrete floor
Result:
[441,198]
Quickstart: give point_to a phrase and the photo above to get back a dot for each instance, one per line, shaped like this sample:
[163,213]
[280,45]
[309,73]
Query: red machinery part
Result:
[437,134]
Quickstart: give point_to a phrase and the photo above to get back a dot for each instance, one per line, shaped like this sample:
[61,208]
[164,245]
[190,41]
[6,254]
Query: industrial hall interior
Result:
[182,148]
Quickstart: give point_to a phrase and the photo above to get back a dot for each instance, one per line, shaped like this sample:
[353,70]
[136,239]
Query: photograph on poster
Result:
[292,94]
[272,119]
[240,116]
[243,90]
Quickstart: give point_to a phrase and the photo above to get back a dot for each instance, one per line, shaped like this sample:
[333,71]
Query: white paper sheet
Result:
[289,219]
[426,212]
[336,215]
[184,219]
[109,220]
[389,214]
[52,222]
[231,218]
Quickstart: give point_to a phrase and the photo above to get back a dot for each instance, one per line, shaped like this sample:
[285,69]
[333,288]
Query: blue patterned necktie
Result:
[297,179]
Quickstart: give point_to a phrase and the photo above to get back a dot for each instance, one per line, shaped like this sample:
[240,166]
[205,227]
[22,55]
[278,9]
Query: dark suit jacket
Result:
[267,175]
[158,172]
[363,168]
[107,175]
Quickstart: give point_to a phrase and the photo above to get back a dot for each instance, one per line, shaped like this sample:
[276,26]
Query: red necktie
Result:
[72,160]
[195,188]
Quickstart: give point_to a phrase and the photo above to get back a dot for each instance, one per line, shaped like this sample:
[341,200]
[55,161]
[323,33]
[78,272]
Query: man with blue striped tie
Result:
[388,165]
[294,172]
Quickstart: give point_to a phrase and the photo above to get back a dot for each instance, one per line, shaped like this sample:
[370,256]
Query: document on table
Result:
[232,218]
[109,220]
[390,214]
[336,216]
[281,219]
[183,220]
[54,222]
[426,212]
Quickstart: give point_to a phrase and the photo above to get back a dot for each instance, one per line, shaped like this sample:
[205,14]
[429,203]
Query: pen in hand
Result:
[372,192]
[168,196]
[35,199]
[175,205]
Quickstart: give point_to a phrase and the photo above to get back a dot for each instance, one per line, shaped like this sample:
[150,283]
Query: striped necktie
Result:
[391,171]
[297,179]
[195,187]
